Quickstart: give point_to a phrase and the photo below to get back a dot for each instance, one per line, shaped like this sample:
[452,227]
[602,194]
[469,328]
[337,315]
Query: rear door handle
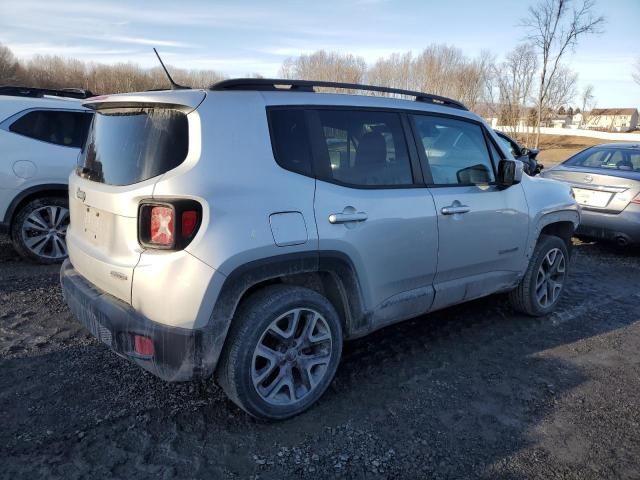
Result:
[347,217]
[453,209]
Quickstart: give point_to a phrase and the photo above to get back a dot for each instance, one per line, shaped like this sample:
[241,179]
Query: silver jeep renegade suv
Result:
[244,232]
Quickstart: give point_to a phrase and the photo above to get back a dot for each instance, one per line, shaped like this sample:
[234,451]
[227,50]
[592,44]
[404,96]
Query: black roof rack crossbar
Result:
[16,91]
[308,86]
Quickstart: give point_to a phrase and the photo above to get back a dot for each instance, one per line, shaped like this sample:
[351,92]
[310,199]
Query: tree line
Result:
[53,71]
[528,85]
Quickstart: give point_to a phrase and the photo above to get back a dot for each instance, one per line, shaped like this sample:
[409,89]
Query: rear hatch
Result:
[599,189]
[133,140]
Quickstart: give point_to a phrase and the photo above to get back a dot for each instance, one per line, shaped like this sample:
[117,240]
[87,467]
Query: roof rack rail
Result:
[17,91]
[308,86]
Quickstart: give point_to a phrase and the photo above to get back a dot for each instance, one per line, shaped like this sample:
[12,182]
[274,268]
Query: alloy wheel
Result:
[44,232]
[292,357]
[550,278]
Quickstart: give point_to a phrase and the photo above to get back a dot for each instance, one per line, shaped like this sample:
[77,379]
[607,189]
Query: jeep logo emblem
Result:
[80,194]
[588,179]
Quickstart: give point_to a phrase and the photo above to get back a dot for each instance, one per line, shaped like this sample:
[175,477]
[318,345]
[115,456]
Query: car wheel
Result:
[39,229]
[281,353]
[541,288]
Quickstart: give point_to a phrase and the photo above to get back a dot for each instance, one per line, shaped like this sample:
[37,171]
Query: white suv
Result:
[41,133]
[246,230]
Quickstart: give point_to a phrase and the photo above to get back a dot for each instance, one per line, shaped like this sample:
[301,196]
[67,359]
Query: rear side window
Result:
[456,151]
[68,129]
[290,140]
[363,148]
[130,145]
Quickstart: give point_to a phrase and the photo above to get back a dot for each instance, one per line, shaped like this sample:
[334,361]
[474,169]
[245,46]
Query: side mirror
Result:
[509,173]
[525,151]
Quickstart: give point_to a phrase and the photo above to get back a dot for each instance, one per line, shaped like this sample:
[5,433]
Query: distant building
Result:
[558,122]
[576,121]
[613,119]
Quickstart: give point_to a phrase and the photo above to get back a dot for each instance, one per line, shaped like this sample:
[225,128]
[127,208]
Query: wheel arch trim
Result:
[40,190]
[240,281]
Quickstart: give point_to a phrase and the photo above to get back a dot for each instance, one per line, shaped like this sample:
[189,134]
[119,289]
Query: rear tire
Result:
[543,283]
[39,230]
[282,352]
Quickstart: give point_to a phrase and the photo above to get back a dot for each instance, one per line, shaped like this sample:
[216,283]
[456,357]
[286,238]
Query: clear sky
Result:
[243,37]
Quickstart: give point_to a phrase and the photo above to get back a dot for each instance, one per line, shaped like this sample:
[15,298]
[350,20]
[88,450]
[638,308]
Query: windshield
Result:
[130,145]
[607,158]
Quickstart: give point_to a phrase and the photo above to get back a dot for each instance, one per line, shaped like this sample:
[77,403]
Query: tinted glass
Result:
[127,146]
[68,129]
[606,158]
[290,140]
[364,148]
[456,151]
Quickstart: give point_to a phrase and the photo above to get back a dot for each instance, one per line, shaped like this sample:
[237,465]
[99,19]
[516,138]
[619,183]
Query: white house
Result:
[576,121]
[613,119]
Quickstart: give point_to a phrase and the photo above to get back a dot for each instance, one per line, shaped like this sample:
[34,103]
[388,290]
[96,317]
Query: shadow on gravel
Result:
[448,394]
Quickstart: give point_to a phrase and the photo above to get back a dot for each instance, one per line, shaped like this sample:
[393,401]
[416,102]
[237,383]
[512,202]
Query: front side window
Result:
[515,151]
[363,148]
[456,151]
[68,129]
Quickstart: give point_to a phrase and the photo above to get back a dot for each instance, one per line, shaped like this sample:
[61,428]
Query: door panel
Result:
[368,207]
[490,236]
[482,230]
[393,250]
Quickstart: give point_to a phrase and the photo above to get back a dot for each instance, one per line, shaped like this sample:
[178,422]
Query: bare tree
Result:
[8,66]
[49,71]
[587,104]
[554,27]
[328,66]
[438,69]
[394,71]
[636,71]
[561,91]
[514,81]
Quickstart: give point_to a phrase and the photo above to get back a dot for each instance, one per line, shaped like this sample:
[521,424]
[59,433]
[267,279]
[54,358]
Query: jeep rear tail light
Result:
[162,230]
[143,345]
[189,222]
[168,225]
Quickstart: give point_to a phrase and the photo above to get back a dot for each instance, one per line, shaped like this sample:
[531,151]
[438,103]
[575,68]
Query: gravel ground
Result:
[475,391]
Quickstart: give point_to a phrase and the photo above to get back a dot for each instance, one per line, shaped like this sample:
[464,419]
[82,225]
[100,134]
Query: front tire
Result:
[542,286]
[282,352]
[39,230]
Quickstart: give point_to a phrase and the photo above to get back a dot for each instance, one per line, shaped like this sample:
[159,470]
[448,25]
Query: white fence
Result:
[628,137]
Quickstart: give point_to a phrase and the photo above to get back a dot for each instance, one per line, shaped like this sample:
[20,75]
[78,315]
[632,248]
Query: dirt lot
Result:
[475,391]
[557,148]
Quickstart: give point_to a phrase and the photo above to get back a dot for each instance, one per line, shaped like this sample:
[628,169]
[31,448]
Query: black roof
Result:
[276,84]
[17,91]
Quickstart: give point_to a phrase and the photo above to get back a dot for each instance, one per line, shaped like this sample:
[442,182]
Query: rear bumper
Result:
[625,224]
[178,352]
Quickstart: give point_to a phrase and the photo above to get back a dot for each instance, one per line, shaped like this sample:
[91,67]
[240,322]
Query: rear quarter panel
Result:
[234,175]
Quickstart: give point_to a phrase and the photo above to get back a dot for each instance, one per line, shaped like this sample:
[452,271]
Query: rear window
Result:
[68,129]
[606,158]
[130,145]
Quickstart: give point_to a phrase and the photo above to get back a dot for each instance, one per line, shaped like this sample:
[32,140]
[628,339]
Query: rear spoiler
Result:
[184,100]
